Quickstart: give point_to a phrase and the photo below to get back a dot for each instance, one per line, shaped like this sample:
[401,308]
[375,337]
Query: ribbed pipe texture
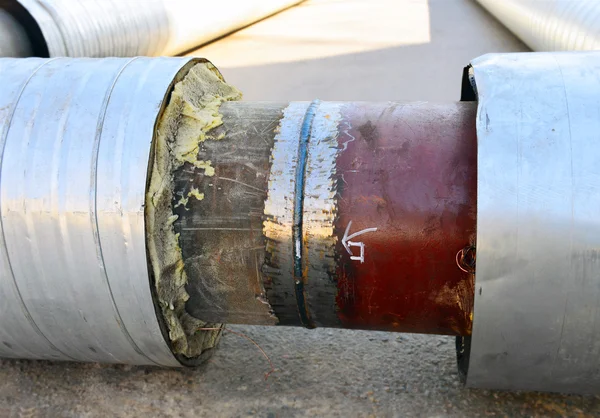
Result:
[75,138]
[551,25]
[127,28]
[92,28]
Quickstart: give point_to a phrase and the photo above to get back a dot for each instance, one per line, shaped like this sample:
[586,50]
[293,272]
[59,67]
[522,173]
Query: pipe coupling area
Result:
[142,206]
[332,214]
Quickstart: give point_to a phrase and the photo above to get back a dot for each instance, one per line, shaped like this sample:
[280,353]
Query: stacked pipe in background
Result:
[550,25]
[122,28]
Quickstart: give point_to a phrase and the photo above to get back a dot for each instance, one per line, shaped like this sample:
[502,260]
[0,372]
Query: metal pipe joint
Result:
[470,219]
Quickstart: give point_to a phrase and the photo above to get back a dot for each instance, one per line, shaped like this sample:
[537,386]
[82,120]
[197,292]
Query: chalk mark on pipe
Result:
[349,244]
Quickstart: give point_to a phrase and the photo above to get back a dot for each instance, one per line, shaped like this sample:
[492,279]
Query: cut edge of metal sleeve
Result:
[179,133]
[537,289]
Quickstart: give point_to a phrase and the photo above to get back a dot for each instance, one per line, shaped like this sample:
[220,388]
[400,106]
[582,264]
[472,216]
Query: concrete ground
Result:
[327,49]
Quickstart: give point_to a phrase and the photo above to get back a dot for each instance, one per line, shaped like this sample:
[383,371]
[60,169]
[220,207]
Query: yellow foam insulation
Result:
[194,192]
[192,112]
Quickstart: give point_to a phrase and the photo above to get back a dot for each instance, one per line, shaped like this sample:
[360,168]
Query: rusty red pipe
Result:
[412,172]
[382,200]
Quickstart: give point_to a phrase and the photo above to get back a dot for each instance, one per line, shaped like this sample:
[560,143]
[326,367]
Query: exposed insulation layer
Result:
[192,112]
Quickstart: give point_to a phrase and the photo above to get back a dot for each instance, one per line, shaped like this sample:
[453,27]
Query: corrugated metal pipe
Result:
[124,28]
[550,25]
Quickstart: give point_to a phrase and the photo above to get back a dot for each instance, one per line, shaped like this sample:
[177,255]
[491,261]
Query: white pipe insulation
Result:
[550,25]
[125,28]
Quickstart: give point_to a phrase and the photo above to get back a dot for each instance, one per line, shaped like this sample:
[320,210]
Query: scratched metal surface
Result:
[278,269]
[222,234]
[409,171]
[18,337]
[398,178]
[319,213]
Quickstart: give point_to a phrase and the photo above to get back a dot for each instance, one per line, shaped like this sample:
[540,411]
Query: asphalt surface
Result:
[333,50]
[317,373]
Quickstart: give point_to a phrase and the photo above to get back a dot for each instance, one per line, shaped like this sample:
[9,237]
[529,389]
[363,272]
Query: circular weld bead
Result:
[300,211]
[279,216]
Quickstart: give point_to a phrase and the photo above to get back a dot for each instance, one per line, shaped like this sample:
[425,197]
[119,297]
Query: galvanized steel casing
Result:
[537,287]
[126,28]
[106,28]
[550,25]
[75,140]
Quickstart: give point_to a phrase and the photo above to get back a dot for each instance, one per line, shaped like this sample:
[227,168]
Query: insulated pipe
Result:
[363,208]
[537,290]
[127,28]
[357,215]
[341,243]
[75,138]
[91,28]
[550,25]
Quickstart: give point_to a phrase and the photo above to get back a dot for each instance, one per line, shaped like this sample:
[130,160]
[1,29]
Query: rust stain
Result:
[411,175]
[369,132]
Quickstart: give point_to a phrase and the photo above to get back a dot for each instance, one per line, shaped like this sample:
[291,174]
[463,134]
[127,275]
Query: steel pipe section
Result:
[127,28]
[332,214]
[550,25]
[90,28]
[537,288]
[75,137]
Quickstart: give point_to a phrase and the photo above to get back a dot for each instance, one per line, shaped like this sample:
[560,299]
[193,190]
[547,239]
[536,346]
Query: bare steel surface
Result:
[322,372]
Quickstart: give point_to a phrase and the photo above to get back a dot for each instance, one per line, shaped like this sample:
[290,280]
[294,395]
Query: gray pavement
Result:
[332,50]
